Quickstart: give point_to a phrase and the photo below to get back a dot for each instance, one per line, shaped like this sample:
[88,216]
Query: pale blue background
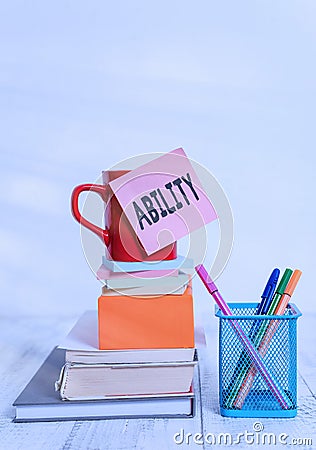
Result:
[84,85]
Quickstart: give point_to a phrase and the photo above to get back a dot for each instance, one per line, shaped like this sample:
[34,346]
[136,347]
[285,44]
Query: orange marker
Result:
[288,292]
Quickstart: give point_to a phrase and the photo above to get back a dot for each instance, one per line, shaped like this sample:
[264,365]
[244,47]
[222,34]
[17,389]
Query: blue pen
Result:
[266,299]
[262,309]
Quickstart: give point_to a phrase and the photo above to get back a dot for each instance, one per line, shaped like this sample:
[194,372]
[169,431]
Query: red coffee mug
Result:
[118,236]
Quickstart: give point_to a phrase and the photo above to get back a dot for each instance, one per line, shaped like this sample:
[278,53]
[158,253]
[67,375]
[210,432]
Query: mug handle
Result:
[102,191]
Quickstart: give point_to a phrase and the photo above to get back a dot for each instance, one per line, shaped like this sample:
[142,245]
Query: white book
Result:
[81,345]
[98,381]
[120,280]
[144,291]
[103,273]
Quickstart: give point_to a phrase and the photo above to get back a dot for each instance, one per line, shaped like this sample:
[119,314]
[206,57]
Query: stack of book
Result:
[141,382]
[127,363]
[96,384]
[134,357]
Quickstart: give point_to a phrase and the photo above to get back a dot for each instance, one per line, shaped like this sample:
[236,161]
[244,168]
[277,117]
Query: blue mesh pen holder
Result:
[243,392]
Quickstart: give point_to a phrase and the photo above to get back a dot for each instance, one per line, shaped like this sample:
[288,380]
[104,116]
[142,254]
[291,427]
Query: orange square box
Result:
[165,321]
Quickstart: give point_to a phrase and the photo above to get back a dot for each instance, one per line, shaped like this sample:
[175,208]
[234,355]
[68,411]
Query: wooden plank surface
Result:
[25,343]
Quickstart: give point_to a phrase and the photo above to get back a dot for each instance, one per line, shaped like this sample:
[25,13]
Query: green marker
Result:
[229,403]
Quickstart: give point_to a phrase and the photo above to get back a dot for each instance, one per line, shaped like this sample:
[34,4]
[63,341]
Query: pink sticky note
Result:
[163,200]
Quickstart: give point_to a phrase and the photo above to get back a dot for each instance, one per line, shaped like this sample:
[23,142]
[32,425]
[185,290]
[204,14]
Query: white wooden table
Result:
[26,342]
